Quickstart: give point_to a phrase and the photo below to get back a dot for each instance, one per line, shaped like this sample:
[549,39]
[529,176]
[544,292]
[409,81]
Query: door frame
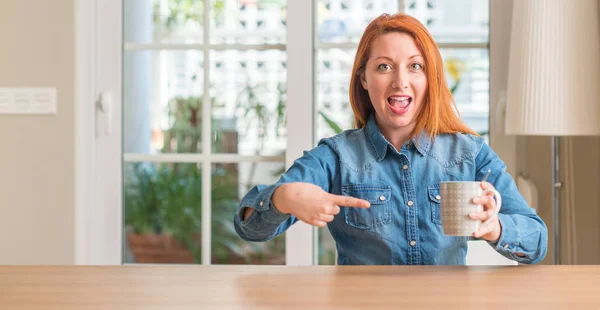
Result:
[98,229]
[84,111]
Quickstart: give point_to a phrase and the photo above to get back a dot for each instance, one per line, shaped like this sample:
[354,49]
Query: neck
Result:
[397,136]
[397,141]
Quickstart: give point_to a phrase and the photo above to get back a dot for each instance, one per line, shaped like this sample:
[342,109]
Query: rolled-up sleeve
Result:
[318,166]
[523,239]
[524,236]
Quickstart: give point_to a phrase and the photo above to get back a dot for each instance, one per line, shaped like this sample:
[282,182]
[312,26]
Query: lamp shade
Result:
[554,68]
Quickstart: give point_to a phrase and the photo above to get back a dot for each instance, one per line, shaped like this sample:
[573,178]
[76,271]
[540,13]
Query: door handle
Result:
[105,105]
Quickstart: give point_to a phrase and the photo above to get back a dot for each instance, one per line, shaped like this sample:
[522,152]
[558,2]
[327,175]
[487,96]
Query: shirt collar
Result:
[380,144]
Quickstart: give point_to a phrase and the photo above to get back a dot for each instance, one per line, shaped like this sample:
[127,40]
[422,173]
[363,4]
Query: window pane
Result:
[248,21]
[162,212]
[468,75]
[229,184]
[327,248]
[453,20]
[333,79]
[248,89]
[344,20]
[172,21]
[163,101]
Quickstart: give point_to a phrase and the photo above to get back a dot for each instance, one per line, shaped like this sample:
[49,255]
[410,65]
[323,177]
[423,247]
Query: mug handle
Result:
[498,203]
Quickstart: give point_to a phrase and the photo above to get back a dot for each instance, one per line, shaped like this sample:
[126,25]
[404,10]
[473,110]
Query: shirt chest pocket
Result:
[378,214]
[434,203]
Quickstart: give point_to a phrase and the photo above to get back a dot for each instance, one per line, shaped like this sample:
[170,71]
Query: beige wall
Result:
[36,161]
[536,162]
[587,198]
[587,195]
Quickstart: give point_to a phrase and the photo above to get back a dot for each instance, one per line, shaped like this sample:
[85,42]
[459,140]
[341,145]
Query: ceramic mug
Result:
[457,204]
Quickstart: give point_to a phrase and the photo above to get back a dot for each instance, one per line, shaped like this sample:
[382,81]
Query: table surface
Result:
[302,287]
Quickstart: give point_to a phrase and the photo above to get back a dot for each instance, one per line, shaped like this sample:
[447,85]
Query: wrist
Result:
[496,234]
[277,199]
[247,212]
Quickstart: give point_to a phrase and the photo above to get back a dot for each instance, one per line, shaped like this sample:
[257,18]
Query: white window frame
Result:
[504,145]
[98,153]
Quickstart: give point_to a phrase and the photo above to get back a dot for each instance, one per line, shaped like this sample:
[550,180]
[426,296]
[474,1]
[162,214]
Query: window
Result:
[204,105]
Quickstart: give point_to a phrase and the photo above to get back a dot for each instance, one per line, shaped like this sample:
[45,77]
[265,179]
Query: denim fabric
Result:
[403,224]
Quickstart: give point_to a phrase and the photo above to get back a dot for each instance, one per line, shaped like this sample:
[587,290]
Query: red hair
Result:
[438,114]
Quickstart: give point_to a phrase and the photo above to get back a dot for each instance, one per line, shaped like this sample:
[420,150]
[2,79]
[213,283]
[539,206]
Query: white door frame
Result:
[500,20]
[299,242]
[98,229]
[84,112]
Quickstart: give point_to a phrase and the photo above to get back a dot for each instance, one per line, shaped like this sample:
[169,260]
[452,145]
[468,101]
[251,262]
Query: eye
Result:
[416,66]
[384,67]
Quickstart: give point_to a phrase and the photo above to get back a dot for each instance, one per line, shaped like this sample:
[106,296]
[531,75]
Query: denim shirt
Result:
[403,224]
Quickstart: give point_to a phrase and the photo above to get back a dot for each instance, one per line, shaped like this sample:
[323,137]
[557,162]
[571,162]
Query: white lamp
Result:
[554,77]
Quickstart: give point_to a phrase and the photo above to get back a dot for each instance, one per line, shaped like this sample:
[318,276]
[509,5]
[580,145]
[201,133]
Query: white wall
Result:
[37,161]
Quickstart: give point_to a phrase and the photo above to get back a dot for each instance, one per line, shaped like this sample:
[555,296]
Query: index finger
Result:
[348,201]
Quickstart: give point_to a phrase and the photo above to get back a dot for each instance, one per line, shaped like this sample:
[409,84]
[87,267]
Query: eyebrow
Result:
[388,58]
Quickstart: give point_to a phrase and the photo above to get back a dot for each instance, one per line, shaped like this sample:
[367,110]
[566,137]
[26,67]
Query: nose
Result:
[400,80]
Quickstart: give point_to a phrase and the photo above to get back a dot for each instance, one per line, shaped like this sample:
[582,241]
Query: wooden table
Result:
[281,287]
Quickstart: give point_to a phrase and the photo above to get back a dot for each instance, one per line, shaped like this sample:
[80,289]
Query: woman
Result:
[377,187]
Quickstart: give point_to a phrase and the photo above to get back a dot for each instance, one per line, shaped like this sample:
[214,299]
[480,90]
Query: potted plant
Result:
[163,212]
[163,201]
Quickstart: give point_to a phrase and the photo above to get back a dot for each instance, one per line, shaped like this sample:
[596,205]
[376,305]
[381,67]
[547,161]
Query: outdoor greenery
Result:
[165,198]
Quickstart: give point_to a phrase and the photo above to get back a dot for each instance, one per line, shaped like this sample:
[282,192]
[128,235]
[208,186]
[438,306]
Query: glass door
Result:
[204,105]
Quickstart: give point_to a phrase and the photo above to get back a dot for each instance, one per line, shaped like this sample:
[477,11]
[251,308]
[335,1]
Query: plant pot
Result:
[164,249]
[159,249]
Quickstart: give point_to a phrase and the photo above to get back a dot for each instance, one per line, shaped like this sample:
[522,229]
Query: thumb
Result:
[348,201]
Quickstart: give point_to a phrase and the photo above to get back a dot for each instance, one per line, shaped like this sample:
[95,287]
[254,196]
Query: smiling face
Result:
[394,77]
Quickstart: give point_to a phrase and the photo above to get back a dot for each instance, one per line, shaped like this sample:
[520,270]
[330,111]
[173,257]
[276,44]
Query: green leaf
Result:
[453,89]
[333,125]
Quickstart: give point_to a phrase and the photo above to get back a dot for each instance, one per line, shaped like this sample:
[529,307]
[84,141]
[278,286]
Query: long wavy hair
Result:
[438,114]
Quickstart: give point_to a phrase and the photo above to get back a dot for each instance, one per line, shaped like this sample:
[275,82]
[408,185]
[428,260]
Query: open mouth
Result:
[399,104]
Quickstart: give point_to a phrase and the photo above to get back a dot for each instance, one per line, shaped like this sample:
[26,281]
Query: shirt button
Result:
[261,204]
[413,243]
[382,198]
[438,197]
[409,203]
[506,246]
[405,167]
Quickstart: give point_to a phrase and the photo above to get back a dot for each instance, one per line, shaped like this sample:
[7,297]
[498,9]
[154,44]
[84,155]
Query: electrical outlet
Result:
[28,101]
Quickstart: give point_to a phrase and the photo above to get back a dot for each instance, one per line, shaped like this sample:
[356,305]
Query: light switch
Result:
[28,101]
